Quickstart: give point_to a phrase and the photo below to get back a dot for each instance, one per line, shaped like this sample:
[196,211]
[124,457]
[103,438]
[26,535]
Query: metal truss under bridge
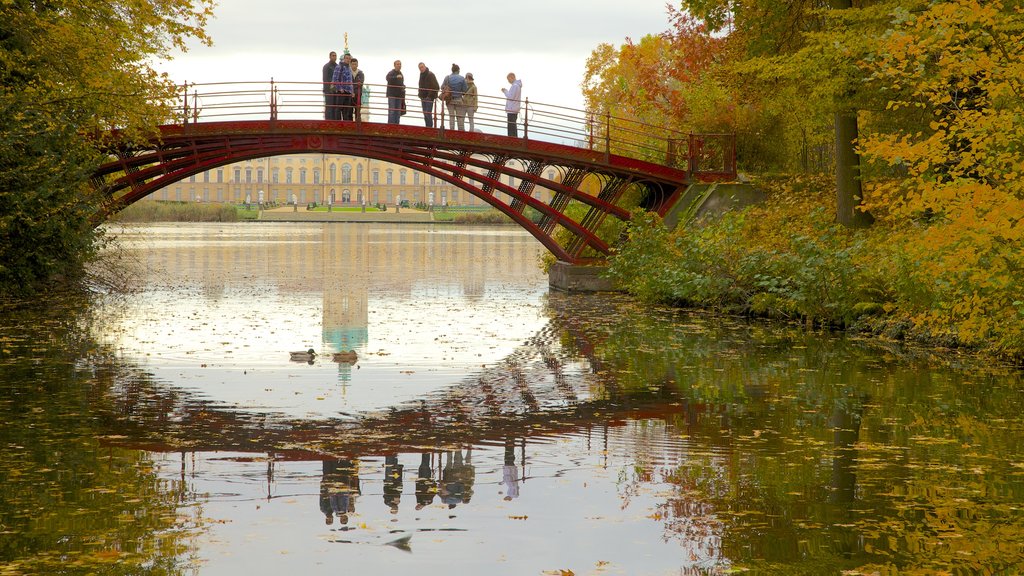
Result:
[604,164]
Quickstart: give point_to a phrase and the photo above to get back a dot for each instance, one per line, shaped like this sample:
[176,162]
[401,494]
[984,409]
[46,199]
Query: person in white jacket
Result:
[512,95]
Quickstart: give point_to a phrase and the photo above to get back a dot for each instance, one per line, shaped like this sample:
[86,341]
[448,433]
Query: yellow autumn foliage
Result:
[940,89]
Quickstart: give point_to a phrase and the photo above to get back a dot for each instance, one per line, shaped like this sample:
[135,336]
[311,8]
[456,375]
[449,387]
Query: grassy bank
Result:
[163,211]
[471,217]
[788,259]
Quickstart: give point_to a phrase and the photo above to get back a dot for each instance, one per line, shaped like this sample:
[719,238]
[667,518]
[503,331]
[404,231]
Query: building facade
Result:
[324,178]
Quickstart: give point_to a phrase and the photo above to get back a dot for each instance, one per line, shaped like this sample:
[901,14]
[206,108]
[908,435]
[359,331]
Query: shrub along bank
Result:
[788,259]
[162,211]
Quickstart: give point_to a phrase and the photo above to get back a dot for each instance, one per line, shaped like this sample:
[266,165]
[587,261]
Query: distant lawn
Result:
[322,208]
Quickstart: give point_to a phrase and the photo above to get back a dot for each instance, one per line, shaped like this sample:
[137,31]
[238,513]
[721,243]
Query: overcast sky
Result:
[546,43]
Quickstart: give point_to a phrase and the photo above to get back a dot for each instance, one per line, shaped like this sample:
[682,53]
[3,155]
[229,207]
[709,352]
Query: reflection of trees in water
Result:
[64,493]
[811,450]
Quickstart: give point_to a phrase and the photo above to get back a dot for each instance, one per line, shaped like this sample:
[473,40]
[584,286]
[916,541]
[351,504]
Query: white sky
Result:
[546,43]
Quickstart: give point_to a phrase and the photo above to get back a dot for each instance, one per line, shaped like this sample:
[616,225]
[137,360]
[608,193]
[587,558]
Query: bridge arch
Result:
[504,172]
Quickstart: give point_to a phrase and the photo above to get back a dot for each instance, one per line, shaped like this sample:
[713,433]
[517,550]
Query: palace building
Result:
[324,178]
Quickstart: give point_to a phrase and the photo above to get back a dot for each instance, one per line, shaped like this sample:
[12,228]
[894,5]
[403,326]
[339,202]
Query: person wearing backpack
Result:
[454,88]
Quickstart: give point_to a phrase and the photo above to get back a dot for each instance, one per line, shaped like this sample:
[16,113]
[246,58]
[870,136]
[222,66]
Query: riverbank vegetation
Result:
[68,72]
[934,90]
[472,217]
[160,211]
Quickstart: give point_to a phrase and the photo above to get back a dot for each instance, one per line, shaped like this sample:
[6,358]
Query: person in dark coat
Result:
[328,76]
[396,93]
[428,93]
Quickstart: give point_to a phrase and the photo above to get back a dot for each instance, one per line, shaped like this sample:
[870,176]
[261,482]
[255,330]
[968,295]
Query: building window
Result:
[206,176]
[238,174]
[248,175]
[551,174]
[359,174]
[416,178]
[275,175]
[316,176]
[390,177]
[376,176]
[302,175]
[346,174]
[401,177]
[259,175]
[192,178]
[334,174]
[287,175]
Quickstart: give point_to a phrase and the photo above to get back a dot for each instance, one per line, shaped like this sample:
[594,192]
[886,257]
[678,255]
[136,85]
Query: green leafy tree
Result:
[70,71]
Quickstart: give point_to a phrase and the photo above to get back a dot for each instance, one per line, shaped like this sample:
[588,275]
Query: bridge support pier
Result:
[575,278]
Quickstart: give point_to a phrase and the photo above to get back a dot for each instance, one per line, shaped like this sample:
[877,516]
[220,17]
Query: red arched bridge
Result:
[604,164]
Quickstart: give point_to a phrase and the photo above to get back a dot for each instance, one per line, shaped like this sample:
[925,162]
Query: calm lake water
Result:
[485,426]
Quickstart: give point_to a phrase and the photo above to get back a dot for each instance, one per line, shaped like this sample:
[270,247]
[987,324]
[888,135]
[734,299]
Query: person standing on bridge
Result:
[396,93]
[343,86]
[470,100]
[456,109]
[357,81]
[328,76]
[512,95]
[427,94]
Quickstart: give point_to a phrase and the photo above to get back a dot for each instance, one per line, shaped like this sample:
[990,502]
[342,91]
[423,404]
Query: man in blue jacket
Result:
[343,86]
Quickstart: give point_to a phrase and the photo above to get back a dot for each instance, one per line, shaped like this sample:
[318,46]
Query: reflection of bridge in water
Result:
[540,389]
[628,164]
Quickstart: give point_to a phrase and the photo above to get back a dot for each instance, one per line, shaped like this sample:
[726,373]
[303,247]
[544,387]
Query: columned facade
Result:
[321,178]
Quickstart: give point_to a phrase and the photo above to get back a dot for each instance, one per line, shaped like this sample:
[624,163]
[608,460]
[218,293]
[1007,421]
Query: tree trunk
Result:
[849,194]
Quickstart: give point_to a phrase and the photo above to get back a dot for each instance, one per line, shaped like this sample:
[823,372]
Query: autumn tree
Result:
[960,65]
[803,45]
[72,70]
[660,81]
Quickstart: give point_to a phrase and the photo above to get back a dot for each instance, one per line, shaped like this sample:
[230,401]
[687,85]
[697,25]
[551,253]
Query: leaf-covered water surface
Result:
[481,424]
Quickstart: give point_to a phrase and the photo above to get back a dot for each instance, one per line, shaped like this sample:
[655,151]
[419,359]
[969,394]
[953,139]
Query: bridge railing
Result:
[608,132]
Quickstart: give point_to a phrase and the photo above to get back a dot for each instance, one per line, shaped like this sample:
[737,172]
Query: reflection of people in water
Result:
[457,478]
[509,473]
[426,487]
[338,489]
[392,482]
